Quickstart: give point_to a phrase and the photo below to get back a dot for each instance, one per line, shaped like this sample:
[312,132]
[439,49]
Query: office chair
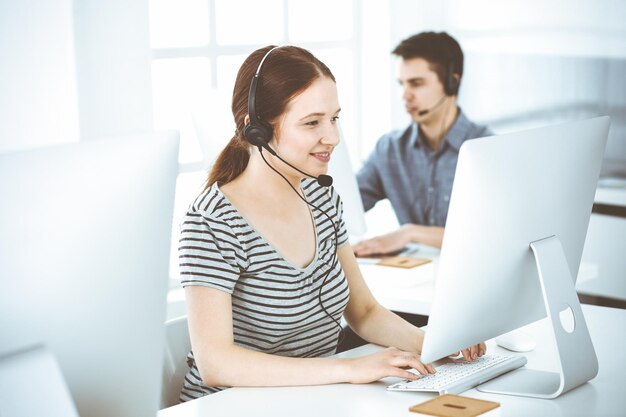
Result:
[177,346]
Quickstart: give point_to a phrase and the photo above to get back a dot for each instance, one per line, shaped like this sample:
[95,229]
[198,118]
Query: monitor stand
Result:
[577,358]
[32,384]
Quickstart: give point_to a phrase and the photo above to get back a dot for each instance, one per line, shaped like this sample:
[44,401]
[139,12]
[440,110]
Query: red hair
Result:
[286,72]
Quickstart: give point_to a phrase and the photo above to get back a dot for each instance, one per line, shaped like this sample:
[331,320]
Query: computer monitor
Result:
[514,236]
[85,235]
[344,181]
[16,392]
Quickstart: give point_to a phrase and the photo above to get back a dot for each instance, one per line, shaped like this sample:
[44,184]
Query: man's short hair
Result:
[441,50]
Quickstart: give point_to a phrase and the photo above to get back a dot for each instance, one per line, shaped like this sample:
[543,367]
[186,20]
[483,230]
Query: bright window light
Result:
[181,23]
[198,47]
[227,68]
[188,186]
[249,22]
[180,91]
[322,20]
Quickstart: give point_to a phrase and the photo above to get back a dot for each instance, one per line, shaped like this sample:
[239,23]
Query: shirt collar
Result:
[455,137]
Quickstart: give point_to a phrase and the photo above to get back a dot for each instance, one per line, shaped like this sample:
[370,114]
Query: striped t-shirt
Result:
[275,305]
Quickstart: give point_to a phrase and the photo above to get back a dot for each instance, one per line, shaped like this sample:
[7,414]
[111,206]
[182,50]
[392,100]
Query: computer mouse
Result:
[516,341]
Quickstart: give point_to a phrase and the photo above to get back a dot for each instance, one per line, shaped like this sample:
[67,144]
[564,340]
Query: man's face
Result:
[421,88]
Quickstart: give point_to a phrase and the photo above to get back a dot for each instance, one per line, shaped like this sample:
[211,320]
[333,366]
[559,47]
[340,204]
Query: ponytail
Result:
[231,162]
[287,72]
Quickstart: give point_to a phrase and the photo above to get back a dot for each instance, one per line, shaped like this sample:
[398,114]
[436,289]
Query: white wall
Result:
[37,74]
[113,63]
[73,69]
[375,98]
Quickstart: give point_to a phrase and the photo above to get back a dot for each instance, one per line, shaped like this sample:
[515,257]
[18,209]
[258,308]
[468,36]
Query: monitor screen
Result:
[85,236]
[509,191]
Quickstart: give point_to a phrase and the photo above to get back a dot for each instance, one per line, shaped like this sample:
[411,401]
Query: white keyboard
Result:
[460,375]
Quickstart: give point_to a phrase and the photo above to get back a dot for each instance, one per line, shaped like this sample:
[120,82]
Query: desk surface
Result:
[409,290]
[413,290]
[602,396]
[611,191]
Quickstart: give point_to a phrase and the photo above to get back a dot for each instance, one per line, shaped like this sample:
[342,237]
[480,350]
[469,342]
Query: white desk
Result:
[602,396]
[405,290]
[605,242]
[413,290]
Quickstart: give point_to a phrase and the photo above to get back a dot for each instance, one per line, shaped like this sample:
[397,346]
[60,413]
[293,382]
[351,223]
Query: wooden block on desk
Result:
[449,405]
[403,261]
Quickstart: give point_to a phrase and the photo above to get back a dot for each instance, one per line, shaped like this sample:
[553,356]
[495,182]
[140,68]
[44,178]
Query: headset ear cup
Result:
[258,133]
[452,85]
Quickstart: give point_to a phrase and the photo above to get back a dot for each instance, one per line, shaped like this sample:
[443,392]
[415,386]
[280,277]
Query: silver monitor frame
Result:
[53,398]
[514,236]
[85,232]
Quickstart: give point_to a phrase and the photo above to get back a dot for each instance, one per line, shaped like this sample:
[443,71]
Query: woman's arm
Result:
[375,323]
[368,318]
[222,363]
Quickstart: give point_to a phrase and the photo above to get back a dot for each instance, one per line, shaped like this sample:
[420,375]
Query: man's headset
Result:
[258,132]
[450,87]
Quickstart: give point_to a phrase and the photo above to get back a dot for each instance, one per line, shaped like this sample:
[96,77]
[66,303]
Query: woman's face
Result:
[308,131]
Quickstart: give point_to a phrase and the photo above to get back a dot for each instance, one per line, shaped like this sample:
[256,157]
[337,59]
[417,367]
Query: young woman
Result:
[268,276]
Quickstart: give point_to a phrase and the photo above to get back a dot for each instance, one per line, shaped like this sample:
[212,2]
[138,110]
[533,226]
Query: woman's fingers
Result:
[474,352]
[402,359]
[401,373]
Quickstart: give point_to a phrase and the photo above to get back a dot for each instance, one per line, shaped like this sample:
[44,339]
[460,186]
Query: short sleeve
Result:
[342,232]
[208,253]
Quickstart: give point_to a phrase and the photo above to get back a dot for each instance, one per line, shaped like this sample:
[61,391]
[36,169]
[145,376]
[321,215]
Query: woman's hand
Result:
[472,352]
[388,362]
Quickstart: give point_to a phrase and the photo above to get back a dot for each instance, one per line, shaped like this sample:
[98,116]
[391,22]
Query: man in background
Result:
[414,168]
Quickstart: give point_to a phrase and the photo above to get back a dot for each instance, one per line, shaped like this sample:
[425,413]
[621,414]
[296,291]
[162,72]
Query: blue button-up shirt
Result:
[416,179]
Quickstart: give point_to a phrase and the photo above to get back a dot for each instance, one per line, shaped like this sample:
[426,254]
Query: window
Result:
[197,48]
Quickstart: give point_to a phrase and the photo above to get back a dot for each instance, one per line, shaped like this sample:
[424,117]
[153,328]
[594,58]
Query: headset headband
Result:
[253,84]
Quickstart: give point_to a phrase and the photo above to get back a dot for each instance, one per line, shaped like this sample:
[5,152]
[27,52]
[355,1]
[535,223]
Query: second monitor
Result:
[514,236]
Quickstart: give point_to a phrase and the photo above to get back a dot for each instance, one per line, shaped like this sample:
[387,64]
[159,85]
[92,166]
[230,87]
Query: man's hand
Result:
[390,242]
[397,240]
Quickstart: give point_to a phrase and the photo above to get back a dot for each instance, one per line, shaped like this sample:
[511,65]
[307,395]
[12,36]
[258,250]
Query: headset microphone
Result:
[323,180]
[441,100]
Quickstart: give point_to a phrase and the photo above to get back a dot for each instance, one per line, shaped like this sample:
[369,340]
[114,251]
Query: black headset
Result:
[258,132]
[451,84]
